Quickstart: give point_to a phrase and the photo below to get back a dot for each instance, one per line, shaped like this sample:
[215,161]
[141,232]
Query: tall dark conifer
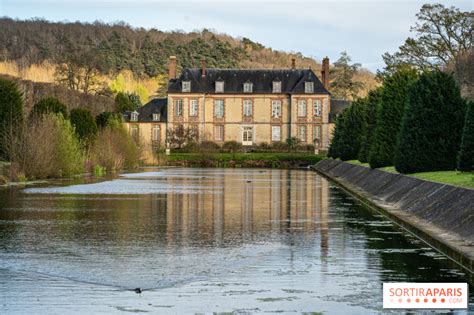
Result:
[431,131]
[370,116]
[466,154]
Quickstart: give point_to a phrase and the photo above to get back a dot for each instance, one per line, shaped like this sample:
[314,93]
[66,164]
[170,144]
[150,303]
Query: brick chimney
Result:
[172,68]
[325,73]
[203,67]
[293,63]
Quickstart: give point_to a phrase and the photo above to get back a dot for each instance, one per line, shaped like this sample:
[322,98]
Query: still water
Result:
[202,241]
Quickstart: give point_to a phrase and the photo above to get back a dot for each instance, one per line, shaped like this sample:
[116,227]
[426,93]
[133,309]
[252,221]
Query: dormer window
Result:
[276,87]
[186,87]
[248,87]
[309,87]
[134,116]
[219,86]
[156,117]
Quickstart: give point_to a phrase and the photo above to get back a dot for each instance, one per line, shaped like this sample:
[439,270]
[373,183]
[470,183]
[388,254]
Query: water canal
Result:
[203,240]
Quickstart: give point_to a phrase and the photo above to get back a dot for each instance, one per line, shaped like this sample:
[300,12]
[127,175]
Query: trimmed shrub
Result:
[11,112]
[84,124]
[49,105]
[466,153]
[232,146]
[370,121]
[347,135]
[431,130]
[393,99]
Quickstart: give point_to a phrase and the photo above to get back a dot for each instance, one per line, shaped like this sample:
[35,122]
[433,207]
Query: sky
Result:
[316,28]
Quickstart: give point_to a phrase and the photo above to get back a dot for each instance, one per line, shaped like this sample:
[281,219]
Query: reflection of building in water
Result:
[241,203]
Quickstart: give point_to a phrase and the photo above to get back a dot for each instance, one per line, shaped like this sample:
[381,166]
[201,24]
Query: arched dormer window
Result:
[156,116]
[186,86]
[134,116]
[309,87]
[248,87]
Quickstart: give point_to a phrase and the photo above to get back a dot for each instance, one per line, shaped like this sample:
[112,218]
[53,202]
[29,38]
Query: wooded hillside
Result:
[99,52]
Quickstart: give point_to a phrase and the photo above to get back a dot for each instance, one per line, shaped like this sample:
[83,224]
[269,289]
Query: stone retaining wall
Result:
[442,215]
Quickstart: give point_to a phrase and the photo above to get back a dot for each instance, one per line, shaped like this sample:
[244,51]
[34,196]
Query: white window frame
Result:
[134,132]
[248,108]
[186,86]
[276,133]
[317,108]
[300,134]
[248,87]
[134,116]
[193,108]
[156,117]
[156,133]
[276,87]
[302,108]
[309,87]
[218,110]
[178,107]
[219,133]
[219,86]
[276,108]
[246,131]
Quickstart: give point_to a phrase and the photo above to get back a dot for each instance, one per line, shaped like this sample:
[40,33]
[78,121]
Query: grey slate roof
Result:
[292,80]
[145,113]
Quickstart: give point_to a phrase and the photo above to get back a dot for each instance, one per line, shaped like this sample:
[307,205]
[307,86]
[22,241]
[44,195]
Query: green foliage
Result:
[466,153]
[84,124]
[123,103]
[141,95]
[11,110]
[441,35]
[49,105]
[105,118]
[393,99]
[293,143]
[348,131]
[117,85]
[370,121]
[69,156]
[431,130]
[343,86]
[115,149]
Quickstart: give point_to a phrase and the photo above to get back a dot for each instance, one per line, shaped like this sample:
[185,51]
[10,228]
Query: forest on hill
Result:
[100,58]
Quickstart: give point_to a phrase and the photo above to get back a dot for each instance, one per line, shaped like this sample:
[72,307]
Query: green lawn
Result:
[461,179]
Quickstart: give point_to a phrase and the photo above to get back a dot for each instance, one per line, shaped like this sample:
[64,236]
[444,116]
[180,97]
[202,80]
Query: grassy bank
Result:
[455,178]
[266,160]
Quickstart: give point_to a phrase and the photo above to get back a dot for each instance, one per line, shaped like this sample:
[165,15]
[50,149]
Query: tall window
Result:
[186,86]
[134,116]
[248,108]
[178,107]
[276,86]
[134,132]
[219,86]
[156,117]
[317,134]
[276,133]
[248,87]
[302,108]
[302,133]
[219,133]
[276,109]
[308,87]
[317,108]
[219,108]
[193,108]
[155,133]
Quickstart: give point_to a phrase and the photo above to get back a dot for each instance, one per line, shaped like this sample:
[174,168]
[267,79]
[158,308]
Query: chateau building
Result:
[248,106]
